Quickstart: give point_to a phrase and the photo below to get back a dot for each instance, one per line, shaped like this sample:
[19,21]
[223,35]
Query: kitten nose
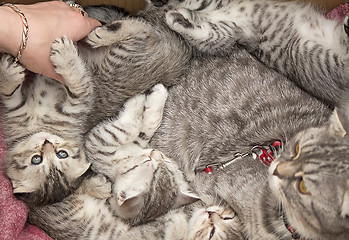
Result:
[47,146]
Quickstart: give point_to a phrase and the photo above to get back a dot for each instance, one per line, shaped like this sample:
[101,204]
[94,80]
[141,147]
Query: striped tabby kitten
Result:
[45,121]
[210,121]
[292,37]
[146,183]
[140,185]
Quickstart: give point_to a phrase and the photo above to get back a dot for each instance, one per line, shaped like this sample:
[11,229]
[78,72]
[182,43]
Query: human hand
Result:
[47,21]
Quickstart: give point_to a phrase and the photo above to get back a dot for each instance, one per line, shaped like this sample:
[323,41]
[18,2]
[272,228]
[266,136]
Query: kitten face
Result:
[147,186]
[44,168]
[311,178]
[215,222]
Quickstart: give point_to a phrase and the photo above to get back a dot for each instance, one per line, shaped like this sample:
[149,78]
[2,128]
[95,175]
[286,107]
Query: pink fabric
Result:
[13,213]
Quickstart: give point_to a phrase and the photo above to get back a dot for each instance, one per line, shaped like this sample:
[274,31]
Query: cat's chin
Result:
[274,181]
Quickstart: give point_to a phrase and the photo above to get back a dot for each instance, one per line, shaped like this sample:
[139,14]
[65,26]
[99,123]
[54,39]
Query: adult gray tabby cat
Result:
[45,122]
[133,185]
[214,116]
[292,37]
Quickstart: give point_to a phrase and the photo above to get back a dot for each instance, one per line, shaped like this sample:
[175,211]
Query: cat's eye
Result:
[296,151]
[62,154]
[228,218]
[301,186]
[36,159]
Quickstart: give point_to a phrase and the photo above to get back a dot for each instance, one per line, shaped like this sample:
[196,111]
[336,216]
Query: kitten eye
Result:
[301,186]
[36,160]
[62,154]
[228,218]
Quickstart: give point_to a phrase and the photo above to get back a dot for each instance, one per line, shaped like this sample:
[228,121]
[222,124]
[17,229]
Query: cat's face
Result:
[44,168]
[311,179]
[214,223]
[147,186]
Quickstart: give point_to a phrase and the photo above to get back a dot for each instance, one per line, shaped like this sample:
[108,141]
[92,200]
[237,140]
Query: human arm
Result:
[47,21]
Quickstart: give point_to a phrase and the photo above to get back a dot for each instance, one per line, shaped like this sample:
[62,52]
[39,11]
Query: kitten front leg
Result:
[103,141]
[11,77]
[152,116]
[205,34]
[11,74]
[67,62]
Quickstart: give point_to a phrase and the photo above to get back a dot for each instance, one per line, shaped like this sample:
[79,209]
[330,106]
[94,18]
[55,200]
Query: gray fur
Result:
[292,37]
[114,204]
[94,89]
[207,121]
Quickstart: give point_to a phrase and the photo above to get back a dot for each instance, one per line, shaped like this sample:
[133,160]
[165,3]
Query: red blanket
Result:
[13,213]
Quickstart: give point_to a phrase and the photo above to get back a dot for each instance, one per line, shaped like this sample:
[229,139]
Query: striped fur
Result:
[208,120]
[40,110]
[134,192]
[292,37]
[146,183]
[87,215]
[44,122]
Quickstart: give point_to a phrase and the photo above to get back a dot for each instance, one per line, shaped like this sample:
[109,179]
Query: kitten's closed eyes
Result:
[214,223]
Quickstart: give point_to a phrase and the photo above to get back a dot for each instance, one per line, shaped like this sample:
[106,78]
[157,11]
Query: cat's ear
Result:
[345,204]
[340,117]
[185,197]
[340,121]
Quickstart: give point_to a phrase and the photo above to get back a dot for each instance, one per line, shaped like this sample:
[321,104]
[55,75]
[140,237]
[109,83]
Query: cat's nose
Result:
[287,169]
[276,173]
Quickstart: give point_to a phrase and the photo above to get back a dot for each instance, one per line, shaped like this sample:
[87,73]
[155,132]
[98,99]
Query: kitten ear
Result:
[128,199]
[345,204]
[78,170]
[184,198]
[22,187]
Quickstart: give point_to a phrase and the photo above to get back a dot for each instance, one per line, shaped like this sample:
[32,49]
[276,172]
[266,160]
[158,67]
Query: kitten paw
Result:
[157,97]
[180,19]
[131,117]
[63,54]
[65,58]
[152,115]
[11,74]
[135,104]
[123,32]
[103,36]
